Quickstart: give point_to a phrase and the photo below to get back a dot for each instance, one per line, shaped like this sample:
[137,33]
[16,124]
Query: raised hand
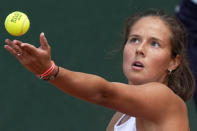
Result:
[36,60]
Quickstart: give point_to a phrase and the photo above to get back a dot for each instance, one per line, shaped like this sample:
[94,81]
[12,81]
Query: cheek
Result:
[160,61]
[128,52]
[127,57]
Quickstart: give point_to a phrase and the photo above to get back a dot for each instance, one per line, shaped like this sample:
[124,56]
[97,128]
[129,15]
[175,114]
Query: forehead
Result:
[152,26]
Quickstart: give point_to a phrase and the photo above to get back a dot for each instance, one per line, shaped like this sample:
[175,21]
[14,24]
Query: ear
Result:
[174,63]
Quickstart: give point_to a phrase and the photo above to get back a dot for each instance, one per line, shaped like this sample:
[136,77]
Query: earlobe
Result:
[175,62]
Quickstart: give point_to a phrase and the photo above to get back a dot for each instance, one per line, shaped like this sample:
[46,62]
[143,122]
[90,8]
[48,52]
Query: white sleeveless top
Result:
[129,125]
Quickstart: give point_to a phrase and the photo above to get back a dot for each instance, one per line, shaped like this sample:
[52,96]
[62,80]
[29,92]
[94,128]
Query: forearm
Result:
[38,61]
[82,85]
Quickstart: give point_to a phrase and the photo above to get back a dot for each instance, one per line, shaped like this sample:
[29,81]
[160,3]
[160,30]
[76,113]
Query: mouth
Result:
[137,65]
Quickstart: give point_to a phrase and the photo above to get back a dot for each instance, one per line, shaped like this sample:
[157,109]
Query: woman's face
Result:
[147,52]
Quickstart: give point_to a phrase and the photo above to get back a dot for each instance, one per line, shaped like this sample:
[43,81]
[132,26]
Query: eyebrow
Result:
[156,39]
[133,36]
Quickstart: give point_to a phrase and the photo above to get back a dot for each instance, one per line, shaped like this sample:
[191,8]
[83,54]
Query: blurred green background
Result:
[82,34]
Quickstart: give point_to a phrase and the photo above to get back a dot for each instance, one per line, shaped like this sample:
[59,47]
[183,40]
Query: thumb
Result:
[43,42]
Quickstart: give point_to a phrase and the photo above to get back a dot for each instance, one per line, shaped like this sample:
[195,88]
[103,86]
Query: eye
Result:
[134,40]
[155,44]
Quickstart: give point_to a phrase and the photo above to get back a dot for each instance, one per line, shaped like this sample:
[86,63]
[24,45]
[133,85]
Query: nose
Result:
[140,50]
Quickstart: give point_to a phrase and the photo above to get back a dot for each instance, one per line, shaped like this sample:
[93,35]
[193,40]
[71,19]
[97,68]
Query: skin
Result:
[149,44]
[146,96]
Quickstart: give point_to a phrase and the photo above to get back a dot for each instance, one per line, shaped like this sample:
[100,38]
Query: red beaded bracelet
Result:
[48,71]
[53,76]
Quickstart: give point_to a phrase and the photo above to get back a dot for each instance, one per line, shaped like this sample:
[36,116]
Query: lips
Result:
[137,65]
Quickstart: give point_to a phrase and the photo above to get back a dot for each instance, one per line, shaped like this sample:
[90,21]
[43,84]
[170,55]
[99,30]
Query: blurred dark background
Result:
[82,34]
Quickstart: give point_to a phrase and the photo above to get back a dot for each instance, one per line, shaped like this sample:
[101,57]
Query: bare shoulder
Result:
[155,89]
[154,102]
[165,93]
[171,107]
[140,100]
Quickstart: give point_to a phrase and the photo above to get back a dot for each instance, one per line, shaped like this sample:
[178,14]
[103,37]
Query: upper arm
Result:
[147,101]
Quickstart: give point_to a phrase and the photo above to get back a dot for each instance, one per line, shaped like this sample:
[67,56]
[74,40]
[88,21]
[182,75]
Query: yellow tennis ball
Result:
[17,23]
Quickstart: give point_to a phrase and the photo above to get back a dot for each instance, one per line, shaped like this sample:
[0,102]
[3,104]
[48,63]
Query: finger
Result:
[8,42]
[17,42]
[28,48]
[14,46]
[43,42]
[12,51]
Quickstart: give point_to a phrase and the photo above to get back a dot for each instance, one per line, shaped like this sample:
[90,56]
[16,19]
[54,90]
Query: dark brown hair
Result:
[180,80]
